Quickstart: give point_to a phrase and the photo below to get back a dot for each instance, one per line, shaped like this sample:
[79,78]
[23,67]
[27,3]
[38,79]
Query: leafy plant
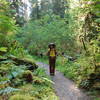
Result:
[21,97]
[40,72]
[3,49]
[8,90]
[7,23]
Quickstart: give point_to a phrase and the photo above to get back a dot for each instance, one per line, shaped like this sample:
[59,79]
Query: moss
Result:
[38,80]
[3,71]
[21,97]
[28,76]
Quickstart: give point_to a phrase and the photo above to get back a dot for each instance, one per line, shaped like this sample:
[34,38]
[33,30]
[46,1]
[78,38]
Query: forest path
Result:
[64,88]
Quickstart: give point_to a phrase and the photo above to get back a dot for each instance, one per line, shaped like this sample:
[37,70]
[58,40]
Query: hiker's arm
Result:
[56,52]
[48,53]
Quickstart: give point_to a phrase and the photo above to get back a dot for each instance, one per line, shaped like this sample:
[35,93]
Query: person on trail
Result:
[52,58]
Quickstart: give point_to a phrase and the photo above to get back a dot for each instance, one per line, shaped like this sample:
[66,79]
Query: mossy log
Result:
[19,61]
[30,64]
[3,59]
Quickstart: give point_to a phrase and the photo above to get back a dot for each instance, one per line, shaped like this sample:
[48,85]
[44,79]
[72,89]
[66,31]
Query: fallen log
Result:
[18,61]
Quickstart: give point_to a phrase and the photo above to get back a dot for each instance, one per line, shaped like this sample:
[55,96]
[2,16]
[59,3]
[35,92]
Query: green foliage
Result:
[42,77]
[17,49]
[76,34]
[15,82]
[8,90]
[80,71]
[16,71]
[52,28]
[4,41]
[68,68]
[21,97]
[44,92]
[7,24]
[5,68]
[28,76]
[85,19]
[40,86]
[3,49]
[40,72]
[15,63]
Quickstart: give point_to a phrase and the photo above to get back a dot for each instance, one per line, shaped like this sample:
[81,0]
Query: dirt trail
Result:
[65,88]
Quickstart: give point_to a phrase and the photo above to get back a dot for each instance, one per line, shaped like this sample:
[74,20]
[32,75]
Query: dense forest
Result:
[26,29]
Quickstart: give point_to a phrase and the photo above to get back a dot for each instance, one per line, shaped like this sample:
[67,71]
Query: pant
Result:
[52,61]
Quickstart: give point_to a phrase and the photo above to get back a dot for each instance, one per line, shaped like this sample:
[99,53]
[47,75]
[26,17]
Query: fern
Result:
[3,49]
[8,90]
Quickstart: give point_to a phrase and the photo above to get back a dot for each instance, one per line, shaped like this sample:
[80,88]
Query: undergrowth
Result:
[81,71]
[21,78]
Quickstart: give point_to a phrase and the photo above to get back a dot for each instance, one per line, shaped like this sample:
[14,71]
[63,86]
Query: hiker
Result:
[52,58]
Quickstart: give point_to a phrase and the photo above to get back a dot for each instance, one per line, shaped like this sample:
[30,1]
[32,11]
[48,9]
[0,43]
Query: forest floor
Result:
[65,88]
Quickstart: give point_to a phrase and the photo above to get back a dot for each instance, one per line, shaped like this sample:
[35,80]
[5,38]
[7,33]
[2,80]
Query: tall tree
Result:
[35,14]
[59,7]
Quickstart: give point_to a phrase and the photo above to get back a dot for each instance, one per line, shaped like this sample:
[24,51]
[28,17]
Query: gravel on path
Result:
[65,89]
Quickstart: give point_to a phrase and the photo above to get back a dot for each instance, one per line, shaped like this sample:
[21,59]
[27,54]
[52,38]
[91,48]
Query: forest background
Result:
[73,25]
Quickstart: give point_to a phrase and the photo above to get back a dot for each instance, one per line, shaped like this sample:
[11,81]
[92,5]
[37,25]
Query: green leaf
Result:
[3,49]
[8,90]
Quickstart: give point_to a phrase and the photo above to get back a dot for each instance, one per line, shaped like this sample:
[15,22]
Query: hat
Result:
[51,44]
